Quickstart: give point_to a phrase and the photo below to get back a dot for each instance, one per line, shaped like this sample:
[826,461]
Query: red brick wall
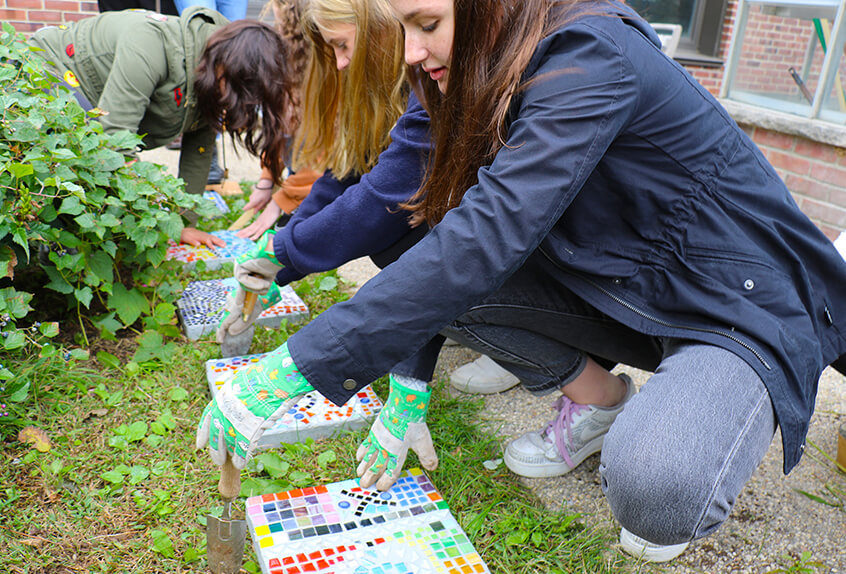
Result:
[815,173]
[30,15]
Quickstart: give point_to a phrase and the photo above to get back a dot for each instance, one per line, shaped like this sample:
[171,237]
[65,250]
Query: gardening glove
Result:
[233,321]
[401,425]
[248,404]
[256,269]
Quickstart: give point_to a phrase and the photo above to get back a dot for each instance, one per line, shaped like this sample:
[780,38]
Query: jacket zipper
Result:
[661,322]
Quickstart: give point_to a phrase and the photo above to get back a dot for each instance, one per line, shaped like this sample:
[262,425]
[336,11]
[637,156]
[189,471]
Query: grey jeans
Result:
[680,452]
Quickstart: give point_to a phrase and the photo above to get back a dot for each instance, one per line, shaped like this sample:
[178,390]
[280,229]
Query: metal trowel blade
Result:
[225,544]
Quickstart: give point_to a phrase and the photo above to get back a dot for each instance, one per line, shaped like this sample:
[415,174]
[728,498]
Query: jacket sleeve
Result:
[583,95]
[195,158]
[342,220]
[139,66]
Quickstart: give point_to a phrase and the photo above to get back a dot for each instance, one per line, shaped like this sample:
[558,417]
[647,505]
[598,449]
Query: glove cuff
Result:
[404,406]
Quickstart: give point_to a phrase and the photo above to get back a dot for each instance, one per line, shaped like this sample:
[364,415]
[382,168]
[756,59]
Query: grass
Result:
[121,488]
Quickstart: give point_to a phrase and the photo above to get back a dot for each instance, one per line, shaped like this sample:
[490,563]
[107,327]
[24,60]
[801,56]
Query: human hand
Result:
[233,322]
[401,425]
[262,223]
[261,194]
[248,404]
[256,269]
[195,237]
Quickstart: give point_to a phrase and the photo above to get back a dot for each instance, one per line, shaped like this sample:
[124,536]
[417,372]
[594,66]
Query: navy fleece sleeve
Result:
[342,220]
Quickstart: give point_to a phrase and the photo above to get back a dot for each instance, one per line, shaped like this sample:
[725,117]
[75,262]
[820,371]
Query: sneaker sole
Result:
[649,553]
[550,469]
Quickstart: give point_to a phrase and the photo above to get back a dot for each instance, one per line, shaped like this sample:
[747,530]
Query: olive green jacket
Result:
[139,67]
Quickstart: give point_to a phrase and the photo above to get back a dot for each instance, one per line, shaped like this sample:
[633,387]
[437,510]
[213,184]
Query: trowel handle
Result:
[249,304]
[230,480]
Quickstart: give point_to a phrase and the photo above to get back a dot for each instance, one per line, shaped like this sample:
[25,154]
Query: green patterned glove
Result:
[249,404]
[233,322]
[256,269]
[401,425]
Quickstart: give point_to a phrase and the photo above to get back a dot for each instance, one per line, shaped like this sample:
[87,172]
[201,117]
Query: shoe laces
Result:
[567,412]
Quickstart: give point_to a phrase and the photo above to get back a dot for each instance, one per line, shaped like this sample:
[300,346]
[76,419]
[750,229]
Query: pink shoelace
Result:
[567,411]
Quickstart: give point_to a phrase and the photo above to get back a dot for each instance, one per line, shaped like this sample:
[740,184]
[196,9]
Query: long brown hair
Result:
[492,45]
[348,115]
[245,86]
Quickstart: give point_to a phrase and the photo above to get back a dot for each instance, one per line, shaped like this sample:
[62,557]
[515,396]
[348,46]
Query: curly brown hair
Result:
[245,86]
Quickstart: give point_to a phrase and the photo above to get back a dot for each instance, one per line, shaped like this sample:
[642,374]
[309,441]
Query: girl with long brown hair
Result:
[591,205]
[194,75]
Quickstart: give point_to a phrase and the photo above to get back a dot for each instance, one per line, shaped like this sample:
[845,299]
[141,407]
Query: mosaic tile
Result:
[213,257]
[218,201]
[314,416]
[200,307]
[345,529]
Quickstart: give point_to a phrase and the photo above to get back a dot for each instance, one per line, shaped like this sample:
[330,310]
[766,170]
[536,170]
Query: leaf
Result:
[84,295]
[129,304]
[57,281]
[328,283]
[85,221]
[326,457]
[36,437]
[298,477]
[157,428]
[15,340]
[112,476]
[118,442]
[516,538]
[138,473]
[21,394]
[162,544]
[8,260]
[20,170]
[49,329]
[136,431]
[177,394]
[166,418]
[153,440]
[101,265]
[108,360]
[273,464]
[71,206]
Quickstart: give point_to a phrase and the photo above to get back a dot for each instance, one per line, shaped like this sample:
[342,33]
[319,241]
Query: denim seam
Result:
[735,447]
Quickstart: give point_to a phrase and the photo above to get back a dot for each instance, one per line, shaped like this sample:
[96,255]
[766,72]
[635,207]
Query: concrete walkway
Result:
[770,519]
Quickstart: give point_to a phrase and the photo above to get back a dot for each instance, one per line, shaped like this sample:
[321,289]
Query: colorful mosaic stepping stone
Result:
[345,529]
[213,257]
[200,307]
[314,416]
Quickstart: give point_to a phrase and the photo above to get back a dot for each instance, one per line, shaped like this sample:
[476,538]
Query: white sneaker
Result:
[647,551]
[482,377]
[574,434]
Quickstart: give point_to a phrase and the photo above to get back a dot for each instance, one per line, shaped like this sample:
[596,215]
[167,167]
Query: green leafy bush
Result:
[76,210]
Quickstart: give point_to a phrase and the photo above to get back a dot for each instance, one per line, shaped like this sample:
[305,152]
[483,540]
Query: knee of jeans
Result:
[656,496]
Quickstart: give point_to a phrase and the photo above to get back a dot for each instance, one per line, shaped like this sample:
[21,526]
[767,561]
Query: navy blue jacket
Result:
[647,200]
[341,220]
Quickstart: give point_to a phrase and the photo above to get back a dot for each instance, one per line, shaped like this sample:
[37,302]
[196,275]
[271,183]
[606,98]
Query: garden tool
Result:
[226,537]
[238,345]
[243,220]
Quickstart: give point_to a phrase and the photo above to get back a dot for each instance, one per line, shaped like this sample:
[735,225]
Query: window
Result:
[701,22]
[787,56]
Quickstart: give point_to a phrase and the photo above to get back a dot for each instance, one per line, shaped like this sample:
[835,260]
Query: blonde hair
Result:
[347,115]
